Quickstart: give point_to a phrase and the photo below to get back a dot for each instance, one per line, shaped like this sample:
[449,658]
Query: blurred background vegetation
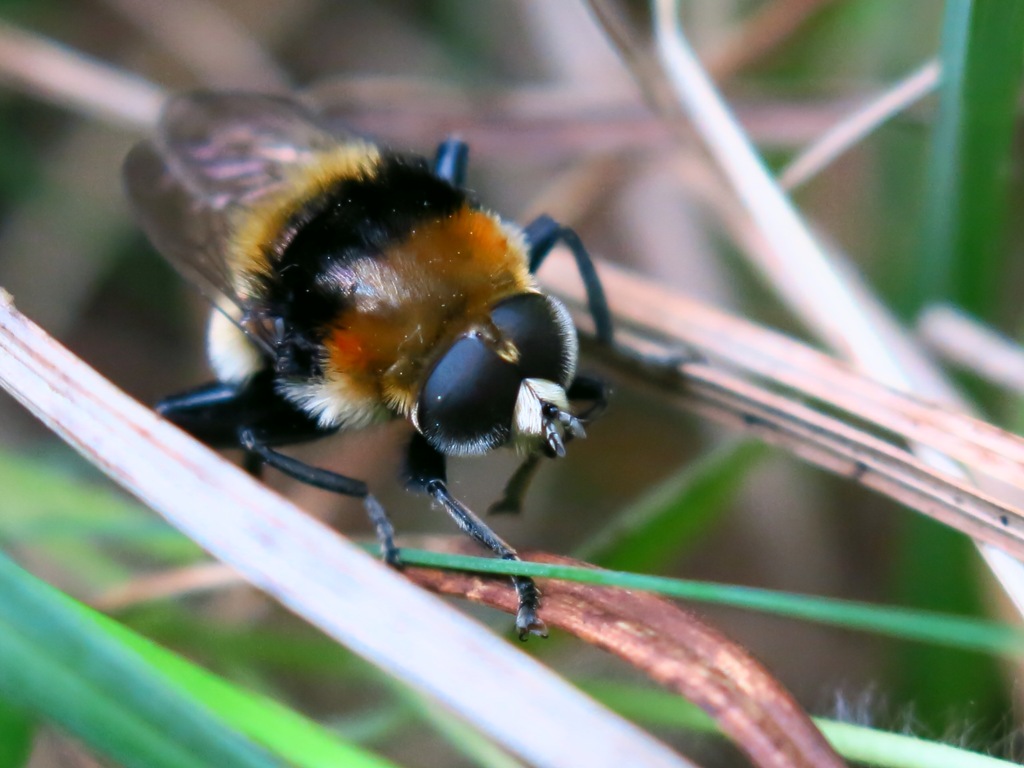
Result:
[555,122]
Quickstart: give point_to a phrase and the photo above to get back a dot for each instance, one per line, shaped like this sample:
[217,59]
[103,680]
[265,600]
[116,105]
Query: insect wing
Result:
[213,154]
[188,233]
[229,149]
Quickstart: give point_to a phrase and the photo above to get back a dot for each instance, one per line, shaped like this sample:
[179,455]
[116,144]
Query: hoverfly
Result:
[353,284]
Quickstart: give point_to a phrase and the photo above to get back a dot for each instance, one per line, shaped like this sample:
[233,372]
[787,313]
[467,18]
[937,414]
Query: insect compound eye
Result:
[543,334]
[467,403]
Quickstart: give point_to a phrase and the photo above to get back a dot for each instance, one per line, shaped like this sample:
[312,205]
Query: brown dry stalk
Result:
[968,343]
[53,72]
[829,443]
[543,122]
[858,124]
[764,31]
[672,646]
[174,582]
[658,320]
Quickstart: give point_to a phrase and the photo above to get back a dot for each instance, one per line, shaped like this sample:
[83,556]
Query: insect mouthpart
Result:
[555,440]
[542,419]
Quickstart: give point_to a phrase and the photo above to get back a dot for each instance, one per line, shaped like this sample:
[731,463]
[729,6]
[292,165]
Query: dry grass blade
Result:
[858,124]
[855,454]
[664,322]
[65,77]
[798,267]
[165,584]
[541,121]
[545,123]
[820,288]
[311,569]
[206,39]
[972,345]
[673,647]
[768,27]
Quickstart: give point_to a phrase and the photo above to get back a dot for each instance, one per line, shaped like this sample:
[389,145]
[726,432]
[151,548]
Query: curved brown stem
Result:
[672,646]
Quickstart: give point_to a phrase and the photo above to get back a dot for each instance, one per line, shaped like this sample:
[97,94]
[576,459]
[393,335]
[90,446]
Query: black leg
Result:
[215,412]
[328,481]
[542,234]
[511,501]
[582,388]
[426,473]
[253,464]
[527,620]
[588,388]
[210,412]
[451,161]
[254,417]
[211,395]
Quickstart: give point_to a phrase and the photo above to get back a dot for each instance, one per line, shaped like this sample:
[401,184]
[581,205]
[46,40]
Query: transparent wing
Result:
[214,153]
[230,148]
[188,233]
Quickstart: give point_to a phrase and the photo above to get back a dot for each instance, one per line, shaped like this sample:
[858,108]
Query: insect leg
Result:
[594,390]
[208,412]
[451,161]
[328,481]
[215,412]
[426,472]
[253,416]
[511,501]
[542,235]
[582,388]
[253,464]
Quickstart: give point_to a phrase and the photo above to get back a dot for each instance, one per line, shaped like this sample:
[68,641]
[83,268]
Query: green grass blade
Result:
[54,690]
[43,501]
[321,659]
[964,259]
[854,742]
[283,731]
[303,654]
[923,626]
[653,531]
[16,732]
[70,515]
[67,515]
[982,55]
[468,742]
[59,666]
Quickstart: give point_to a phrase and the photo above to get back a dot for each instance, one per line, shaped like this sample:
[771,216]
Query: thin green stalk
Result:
[854,742]
[924,626]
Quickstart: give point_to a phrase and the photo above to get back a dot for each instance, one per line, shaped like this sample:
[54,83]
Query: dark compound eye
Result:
[466,405]
[467,402]
[542,332]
